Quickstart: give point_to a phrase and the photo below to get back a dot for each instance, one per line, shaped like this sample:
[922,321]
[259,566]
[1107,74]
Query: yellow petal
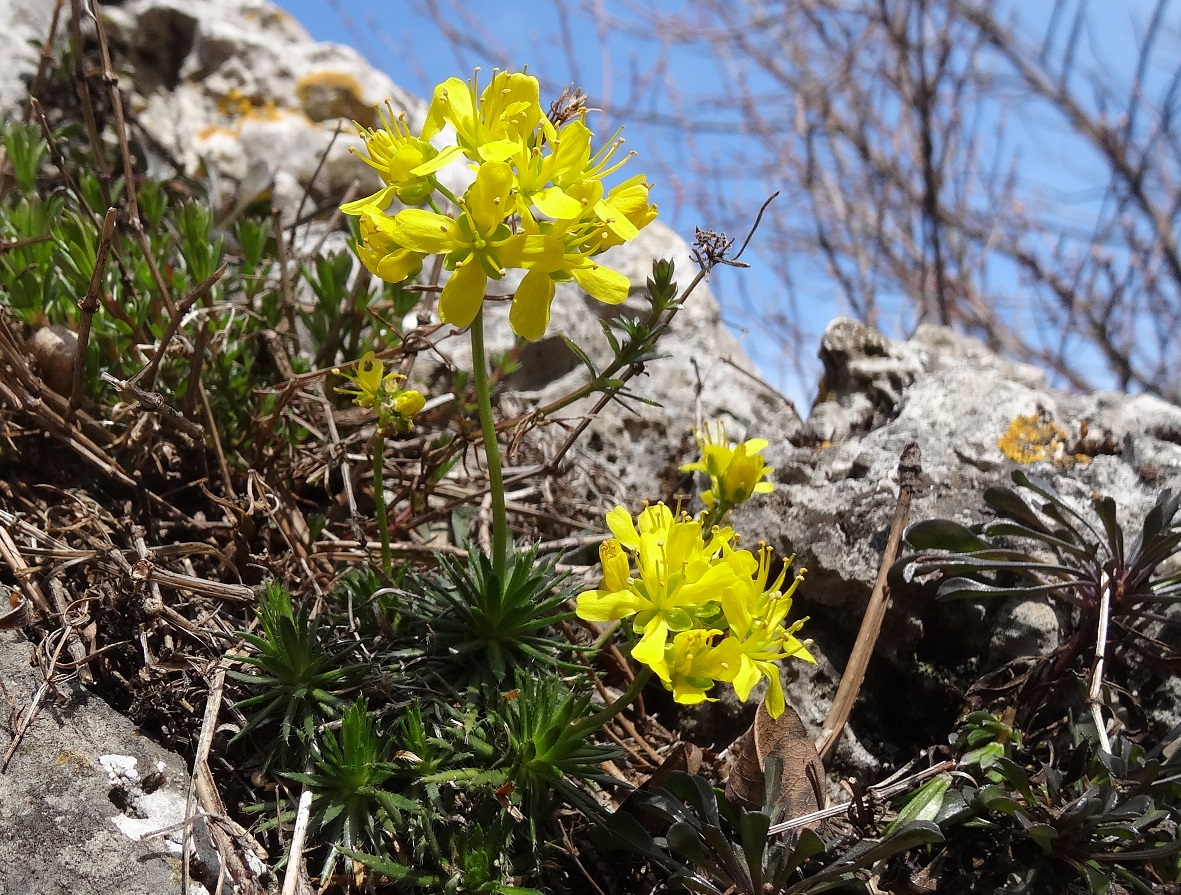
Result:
[381,200]
[487,198]
[616,221]
[746,678]
[409,402]
[616,569]
[602,283]
[445,157]
[553,202]
[463,295]
[451,103]
[393,267]
[369,373]
[687,694]
[650,649]
[426,232]
[529,313]
[774,698]
[606,605]
[572,152]
[499,150]
[537,252]
[620,522]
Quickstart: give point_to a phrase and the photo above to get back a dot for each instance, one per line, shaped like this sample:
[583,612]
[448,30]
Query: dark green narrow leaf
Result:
[1009,503]
[943,534]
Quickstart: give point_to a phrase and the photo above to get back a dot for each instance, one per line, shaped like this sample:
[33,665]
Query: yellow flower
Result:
[395,154]
[379,250]
[705,610]
[735,471]
[373,387]
[490,127]
[626,211]
[695,660]
[560,262]
[755,614]
[549,181]
[678,574]
[538,202]
[367,379]
[568,256]
[476,246]
[407,402]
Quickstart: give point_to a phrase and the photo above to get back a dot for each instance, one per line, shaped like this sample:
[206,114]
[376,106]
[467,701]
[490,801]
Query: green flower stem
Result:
[597,720]
[383,527]
[447,194]
[717,515]
[491,450]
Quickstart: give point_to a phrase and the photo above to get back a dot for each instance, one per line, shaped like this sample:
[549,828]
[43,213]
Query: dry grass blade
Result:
[909,471]
[87,306]
[26,719]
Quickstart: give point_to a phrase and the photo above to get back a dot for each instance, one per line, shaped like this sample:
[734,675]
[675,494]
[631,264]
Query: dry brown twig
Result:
[909,471]
[87,306]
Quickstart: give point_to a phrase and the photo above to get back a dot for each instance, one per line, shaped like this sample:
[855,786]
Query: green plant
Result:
[302,683]
[479,864]
[24,148]
[349,807]
[1106,820]
[711,846]
[1088,559]
[547,747]
[1043,546]
[484,626]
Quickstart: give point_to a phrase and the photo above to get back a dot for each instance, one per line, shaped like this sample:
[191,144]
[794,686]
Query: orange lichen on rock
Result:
[1036,438]
[235,104]
[325,95]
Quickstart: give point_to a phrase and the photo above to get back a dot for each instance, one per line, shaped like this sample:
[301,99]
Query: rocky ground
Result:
[215,87]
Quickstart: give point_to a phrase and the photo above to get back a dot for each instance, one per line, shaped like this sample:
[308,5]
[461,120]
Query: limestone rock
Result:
[83,794]
[26,22]
[227,86]
[834,499]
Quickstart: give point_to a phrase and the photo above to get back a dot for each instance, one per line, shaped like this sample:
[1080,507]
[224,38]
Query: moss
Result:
[1037,438]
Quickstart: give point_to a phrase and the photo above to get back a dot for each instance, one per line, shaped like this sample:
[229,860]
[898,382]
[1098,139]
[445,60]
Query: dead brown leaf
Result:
[801,785]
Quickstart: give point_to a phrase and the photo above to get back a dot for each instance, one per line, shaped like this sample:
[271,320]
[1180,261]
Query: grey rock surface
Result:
[836,489]
[81,794]
[25,23]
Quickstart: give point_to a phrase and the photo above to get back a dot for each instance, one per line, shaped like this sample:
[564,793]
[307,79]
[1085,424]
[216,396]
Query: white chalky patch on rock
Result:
[163,809]
[119,767]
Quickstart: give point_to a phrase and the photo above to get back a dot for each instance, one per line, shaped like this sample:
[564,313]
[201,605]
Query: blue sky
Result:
[399,37]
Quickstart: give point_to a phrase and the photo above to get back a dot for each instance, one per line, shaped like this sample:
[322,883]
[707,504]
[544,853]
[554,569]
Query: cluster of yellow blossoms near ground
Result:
[538,202]
[703,609]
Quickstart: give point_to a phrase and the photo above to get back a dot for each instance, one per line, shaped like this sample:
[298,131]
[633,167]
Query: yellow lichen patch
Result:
[211,130]
[235,104]
[71,756]
[268,111]
[1037,438]
[325,95]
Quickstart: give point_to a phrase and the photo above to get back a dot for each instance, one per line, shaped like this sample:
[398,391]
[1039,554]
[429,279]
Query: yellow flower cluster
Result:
[538,202]
[735,471]
[373,387]
[704,609]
